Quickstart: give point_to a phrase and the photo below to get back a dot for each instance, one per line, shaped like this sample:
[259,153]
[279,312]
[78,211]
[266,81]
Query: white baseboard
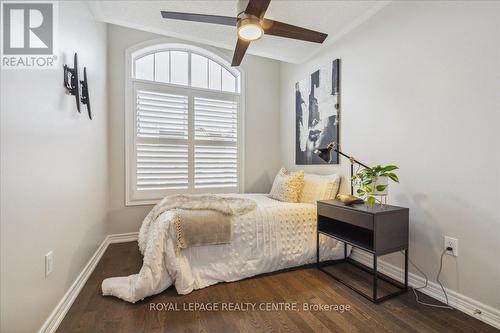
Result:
[122,238]
[458,301]
[461,302]
[57,315]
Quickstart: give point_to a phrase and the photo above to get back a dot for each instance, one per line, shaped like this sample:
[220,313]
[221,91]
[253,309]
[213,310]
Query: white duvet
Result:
[274,236]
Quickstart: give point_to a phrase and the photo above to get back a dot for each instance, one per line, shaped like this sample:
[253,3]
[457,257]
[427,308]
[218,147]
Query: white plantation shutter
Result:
[215,119]
[215,167]
[162,167]
[215,122]
[183,139]
[162,115]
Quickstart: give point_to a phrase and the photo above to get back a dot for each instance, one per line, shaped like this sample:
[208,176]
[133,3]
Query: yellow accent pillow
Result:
[287,185]
[319,187]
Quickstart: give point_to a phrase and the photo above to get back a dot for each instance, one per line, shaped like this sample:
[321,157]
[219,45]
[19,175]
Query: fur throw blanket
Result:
[157,229]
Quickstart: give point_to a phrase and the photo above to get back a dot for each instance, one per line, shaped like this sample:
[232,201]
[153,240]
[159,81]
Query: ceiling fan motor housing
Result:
[249,27]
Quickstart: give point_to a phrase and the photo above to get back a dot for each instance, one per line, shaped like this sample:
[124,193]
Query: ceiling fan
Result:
[251,25]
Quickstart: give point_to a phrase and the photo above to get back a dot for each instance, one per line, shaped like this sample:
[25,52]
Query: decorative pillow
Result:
[319,187]
[287,185]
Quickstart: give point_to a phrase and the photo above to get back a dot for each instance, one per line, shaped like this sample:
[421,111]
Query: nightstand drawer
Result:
[346,215]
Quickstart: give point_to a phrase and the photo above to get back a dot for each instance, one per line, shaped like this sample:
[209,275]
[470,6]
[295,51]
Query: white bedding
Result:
[274,236]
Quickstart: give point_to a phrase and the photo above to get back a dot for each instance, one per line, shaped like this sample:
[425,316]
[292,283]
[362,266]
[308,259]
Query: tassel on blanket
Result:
[180,243]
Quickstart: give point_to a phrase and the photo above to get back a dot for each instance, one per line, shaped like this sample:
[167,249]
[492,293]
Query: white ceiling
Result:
[333,17]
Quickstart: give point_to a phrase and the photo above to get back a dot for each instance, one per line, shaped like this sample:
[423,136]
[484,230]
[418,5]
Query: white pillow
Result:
[319,187]
[287,185]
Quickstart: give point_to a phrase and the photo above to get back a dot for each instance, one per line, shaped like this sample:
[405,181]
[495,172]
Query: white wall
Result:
[262,159]
[420,89]
[54,190]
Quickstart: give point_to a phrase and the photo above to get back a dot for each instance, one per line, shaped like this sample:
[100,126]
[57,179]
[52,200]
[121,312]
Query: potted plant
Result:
[372,182]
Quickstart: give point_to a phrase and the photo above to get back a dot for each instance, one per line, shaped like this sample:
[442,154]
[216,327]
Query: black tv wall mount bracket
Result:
[85,92]
[71,81]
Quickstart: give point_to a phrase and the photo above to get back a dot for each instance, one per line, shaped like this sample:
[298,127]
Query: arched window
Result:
[183,122]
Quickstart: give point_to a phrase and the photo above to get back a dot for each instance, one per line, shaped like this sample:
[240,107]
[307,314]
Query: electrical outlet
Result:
[453,243]
[49,263]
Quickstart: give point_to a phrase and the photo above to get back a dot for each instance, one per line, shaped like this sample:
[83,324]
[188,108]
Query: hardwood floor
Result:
[92,312]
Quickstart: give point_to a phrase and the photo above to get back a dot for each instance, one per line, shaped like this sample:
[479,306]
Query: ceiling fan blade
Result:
[280,29]
[257,7]
[215,19]
[239,52]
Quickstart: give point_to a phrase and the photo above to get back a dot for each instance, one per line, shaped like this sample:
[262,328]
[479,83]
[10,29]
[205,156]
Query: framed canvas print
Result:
[317,106]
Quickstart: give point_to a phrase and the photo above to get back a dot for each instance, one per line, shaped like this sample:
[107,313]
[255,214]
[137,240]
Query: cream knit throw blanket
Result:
[153,277]
[201,227]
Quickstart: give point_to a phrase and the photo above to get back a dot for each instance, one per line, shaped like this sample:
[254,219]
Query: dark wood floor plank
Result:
[92,312]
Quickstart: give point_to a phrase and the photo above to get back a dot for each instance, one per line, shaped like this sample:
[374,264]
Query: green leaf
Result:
[370,201]
[388,168]
[380,188]
[360,191]
[368,189]
[393,177]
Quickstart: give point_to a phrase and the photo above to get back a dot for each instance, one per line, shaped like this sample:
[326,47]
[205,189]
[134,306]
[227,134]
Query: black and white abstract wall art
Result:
[317,106]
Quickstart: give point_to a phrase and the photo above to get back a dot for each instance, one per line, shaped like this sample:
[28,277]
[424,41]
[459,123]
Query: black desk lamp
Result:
[325,155]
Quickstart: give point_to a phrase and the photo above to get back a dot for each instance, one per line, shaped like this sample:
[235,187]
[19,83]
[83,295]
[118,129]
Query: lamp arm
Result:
[350,158]
[333,146]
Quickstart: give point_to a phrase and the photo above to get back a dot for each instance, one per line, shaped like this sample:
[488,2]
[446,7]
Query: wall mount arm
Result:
[85,92]
[71,81]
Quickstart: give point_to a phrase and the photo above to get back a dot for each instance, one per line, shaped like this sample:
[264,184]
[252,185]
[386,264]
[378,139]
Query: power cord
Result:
[447,306]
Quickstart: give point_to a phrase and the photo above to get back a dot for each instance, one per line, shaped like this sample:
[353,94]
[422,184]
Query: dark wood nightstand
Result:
[378,230]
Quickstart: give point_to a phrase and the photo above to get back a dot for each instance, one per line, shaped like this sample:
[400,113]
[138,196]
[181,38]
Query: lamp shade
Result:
[324,154]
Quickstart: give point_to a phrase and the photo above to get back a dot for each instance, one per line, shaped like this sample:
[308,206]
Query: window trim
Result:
[156,45]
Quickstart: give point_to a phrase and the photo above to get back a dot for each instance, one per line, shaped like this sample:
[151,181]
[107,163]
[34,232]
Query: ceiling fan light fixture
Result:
[250,29]
[251,25]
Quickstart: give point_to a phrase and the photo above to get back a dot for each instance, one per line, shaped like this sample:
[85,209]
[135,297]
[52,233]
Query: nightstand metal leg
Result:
[374,277]
[345,250]
[317,249]
[406,268]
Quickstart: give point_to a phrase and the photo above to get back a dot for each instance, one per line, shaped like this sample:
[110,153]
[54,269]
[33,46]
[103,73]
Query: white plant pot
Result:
[384,180]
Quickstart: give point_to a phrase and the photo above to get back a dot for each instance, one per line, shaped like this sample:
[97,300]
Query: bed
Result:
[274,236]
